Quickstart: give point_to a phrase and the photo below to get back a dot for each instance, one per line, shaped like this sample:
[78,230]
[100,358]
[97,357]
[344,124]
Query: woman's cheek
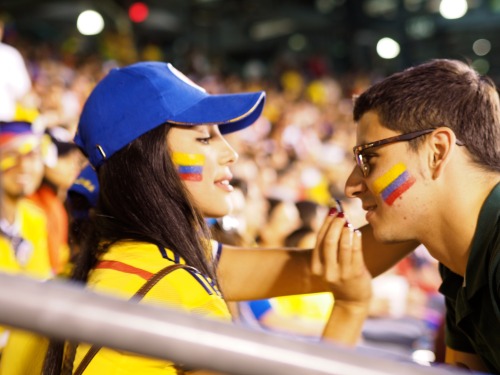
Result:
[189,166]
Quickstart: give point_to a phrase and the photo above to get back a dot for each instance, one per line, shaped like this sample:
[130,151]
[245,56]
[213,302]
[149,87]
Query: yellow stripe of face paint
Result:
[22,147]
[181,158]
[7,163]
[385,180]
[28,146]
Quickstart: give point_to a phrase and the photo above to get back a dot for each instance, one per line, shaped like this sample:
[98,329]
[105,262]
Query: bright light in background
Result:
[453,9]
[388,48]
[297,42]
[138,12]
[481,47]
[90,22]
[482,66]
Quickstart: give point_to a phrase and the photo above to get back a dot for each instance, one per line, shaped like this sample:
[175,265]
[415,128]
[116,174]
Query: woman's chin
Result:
[216,213]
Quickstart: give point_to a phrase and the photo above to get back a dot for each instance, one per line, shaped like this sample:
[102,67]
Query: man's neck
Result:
[450,238]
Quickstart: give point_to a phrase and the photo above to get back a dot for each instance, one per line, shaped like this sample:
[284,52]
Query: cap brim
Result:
[231,112]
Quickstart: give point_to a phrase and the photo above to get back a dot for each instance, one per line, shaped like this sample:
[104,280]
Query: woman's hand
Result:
[338,259]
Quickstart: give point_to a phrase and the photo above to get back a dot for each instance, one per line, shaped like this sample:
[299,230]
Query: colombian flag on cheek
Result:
[393,183]
[189,166]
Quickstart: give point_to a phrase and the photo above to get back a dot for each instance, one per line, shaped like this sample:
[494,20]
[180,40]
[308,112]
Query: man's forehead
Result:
[369,129]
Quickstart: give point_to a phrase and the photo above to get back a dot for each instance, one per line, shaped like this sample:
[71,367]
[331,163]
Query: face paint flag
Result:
[394,183]
[189,166]
[16,147]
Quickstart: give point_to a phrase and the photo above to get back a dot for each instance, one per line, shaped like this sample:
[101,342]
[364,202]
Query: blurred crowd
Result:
[292,163]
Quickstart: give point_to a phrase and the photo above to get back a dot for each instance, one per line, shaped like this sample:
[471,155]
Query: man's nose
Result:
[355,184]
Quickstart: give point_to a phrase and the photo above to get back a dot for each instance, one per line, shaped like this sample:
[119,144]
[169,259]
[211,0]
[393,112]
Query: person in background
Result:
[80,203]
[23,233]
[15,81]
[24,351]
[428,170]
[60,172]
[311,216]
[282,219]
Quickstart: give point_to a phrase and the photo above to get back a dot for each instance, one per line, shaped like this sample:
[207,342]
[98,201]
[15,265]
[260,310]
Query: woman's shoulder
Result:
[127,266]
[146,256]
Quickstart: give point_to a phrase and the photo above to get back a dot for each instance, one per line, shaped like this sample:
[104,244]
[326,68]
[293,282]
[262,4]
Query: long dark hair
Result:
[141,198]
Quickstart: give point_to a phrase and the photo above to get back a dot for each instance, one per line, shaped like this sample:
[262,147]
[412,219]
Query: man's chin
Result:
[384,236]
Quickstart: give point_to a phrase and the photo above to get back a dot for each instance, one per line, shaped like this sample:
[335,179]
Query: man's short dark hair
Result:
[440,93]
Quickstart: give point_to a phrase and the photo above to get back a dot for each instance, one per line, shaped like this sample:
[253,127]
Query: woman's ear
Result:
[442,142]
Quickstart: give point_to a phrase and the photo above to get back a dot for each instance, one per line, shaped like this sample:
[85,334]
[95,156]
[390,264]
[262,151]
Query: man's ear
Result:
[442,142]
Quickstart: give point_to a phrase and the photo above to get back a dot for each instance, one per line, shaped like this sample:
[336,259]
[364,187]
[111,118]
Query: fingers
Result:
[330,248]
[317,255]
[338,251]
[345,252]
[357,261]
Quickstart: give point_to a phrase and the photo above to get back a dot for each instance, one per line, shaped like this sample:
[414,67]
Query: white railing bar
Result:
[67,311]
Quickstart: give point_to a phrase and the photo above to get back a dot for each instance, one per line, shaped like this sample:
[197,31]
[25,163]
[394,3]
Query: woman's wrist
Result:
[353,307]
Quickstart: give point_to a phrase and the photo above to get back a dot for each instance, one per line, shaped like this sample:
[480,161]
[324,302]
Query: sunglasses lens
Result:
[366,169]
[360,160]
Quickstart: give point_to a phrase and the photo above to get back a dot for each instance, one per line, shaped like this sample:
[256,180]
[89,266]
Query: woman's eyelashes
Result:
[204,140]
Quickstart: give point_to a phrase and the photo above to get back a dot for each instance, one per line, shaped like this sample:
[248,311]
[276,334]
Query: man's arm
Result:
[469,361]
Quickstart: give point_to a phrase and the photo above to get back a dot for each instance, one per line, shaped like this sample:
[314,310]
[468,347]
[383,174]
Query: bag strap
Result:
[143,290]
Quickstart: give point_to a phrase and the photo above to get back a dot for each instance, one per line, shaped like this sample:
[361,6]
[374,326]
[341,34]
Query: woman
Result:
[155,139]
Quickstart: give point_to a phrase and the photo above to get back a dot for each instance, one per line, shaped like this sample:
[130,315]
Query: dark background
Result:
[339,33]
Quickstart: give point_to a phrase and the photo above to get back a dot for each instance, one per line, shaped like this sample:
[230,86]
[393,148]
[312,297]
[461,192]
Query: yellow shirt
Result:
[34,257]
[122,270]
[33,226]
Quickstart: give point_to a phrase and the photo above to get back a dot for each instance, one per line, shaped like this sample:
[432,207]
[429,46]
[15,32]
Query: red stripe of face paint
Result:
[190,176]
[400,190]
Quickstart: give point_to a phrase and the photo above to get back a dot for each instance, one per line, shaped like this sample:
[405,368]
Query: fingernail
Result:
[333,211]
[339,205]
[346,224]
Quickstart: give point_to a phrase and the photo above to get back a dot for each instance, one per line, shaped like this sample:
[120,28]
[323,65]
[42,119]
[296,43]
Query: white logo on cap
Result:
[183,78]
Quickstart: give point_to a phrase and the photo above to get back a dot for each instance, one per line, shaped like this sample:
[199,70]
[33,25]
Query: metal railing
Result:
[67,311]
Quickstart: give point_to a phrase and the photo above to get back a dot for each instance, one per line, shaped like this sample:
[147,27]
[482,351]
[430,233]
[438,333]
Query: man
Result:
[428,170]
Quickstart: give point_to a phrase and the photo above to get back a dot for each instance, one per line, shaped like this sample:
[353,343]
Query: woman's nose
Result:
[229,155]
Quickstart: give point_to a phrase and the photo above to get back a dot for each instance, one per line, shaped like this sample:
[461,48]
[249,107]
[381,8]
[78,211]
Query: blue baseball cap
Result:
[135,99]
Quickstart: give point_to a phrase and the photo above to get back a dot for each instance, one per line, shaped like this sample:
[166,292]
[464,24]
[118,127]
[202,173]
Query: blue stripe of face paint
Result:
[395,184]
[186,169]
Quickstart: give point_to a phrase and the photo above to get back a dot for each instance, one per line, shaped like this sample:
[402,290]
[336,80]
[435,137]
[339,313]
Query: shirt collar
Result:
[479,258]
